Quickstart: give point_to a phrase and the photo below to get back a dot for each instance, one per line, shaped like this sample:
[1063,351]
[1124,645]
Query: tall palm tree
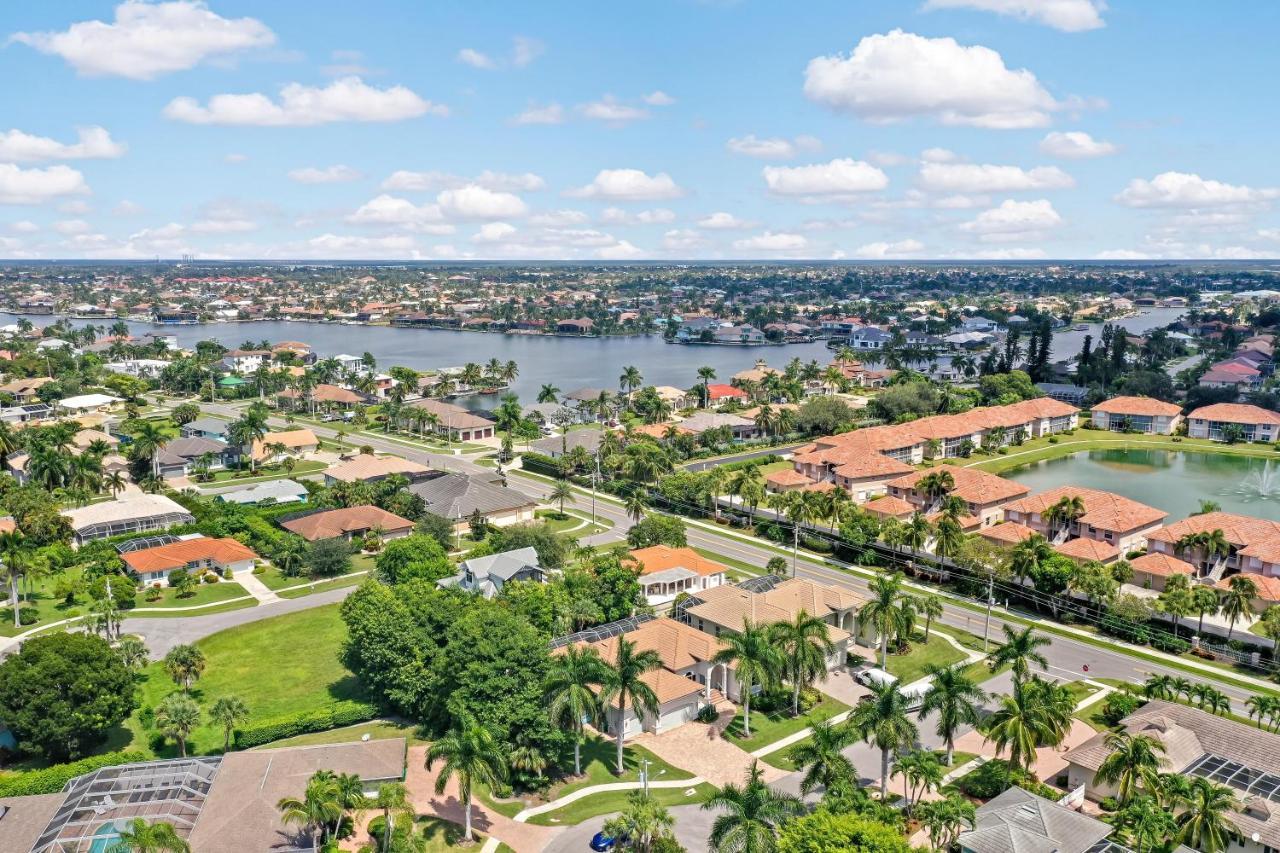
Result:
[1237,601]
[930,607]
[392,801]
[147,438]
[884,721]
[138,836]
[955,699]
[630,379]
[882,609]
[227,711]
[1018,725]
[13,551]
[1019,651]
[318,808]
[1202,824]
[1133,763]
[178,715]
[470,753]
[935,486]
[921,771]
[548,394]
[622,682]
[570,694]
[916,535]
[752,815]
[642,822]
[561,492]
[706,374]
[821,756]
[805,644]
[635,504]
[756,661]
[1064,513]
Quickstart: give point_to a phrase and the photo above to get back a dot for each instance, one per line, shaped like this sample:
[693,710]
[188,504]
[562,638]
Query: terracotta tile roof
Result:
[972,485]
[1253,537]
[1138,406]
[659,558]
[1103,510]
[178,554]
[1162,565]
[367,467]
[292,439]
[679,645]
[1008,533]
[659,430]
[1236,413]
[338,522]
[732,606]
[1088,550]
[968,523]
[719,391]
[888,507]
[872,465]
[1268,587]
[787,477]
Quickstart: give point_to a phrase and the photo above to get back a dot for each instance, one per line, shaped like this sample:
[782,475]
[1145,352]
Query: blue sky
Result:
[961,129]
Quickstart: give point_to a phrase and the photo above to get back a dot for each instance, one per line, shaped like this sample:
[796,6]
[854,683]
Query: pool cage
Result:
[99,804]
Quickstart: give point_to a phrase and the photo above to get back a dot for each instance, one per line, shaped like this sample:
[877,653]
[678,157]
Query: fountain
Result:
[1264,484]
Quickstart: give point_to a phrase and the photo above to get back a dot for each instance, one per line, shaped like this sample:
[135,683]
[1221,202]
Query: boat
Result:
[1080,327]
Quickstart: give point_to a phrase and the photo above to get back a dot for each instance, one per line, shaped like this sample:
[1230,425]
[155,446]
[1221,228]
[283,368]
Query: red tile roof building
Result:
[1137,414]
[1253,543]
[1255,424]
[198,554]
[1107,517]
[984,493]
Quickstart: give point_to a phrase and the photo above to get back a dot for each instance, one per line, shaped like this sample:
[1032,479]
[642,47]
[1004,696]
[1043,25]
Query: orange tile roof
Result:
[367,466]
[787,477]
[679,645]
[732,606]
[1253,537]
[968,523]
[1161,564]
[1103,510]
[872,465]
[338,522]
[659,558]
[1236,413]
[658,430]
[1268,587]
[178,554]
[1145,406]
[1088,549]
[1008,533]
[888,507]
[972,485]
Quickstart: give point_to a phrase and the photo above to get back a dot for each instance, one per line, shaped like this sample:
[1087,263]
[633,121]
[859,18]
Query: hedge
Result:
[51,780]
[539,463]
[280,728]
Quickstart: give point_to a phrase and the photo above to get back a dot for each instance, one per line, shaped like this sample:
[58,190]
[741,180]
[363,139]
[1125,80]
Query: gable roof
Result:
[1145,406]
[1104,510]
[504,565]
[972,485]
[455,496]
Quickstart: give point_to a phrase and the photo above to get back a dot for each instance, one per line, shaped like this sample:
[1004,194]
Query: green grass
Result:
[375,729]
[771,467]
[332,583]
[741,568]
[265,472]
[572,524]
[614,801]
[769,728]
[911,666]
[274,579]
[205,593]
[1080,690]
[1040,449]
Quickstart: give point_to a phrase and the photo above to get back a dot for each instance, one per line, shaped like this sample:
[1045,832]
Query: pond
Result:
[1172,480]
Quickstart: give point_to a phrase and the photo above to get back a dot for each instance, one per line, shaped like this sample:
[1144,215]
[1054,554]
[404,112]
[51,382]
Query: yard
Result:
[768,728]
[573,523]
[373,730]
[910,667]
[205,593]
[264,473]
[276,580]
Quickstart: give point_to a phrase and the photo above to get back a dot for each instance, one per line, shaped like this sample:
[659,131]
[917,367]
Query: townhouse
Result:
[984,494]
[1252,544]
[1111,519]
[1243,422]
[1137,414]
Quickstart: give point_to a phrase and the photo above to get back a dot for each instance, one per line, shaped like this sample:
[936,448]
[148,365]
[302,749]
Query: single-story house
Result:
[556,446]
[665,572]
[1137,414]
[213,428]
[24,390]
[296,442]
[457,497]
[272,491]
[349,523]
[181,456]
[85,403]
[131,514]
[488,575]
[456,422]
[367,468]
[1018,821]
[195,554]
[741,428]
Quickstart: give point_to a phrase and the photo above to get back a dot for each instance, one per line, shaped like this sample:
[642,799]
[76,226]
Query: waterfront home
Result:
[182,457]
[205,428]
[457,497]
[323,396]
[245,361]
[276,446]
[488,575]
[742,428]
[1153,570]
[1018,821]
[583,326]
[665,572]
[1106,517]
[1137,414]
[142,368]
[130,514]
[351,523]
[737,335]
[984,494]
[549,414]
[197,555]
[368,468]
[85,404]
[697,329]
[454,422]
[1252,544]
[678,398]
[1006,534]
[272,491]
[719,393]
[1220,420]
[1196,743]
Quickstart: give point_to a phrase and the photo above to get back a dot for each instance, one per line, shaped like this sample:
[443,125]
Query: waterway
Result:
[1172,480]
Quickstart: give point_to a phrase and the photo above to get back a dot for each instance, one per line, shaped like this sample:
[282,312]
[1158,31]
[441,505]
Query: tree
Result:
[138,836]
[930,607]
[1176,600]
[1019,651]
[184,663]
[882,720]
[415,556]
[622,683]
[1205,601]
[571,696]
[60,694]
[470,753]
[133,652]
[1146,823]
[805,644]
[955,699]
[228,711]
[821,756]
[548,394]
[13,552]
[327,558]
[561,492]
[882,609]
[642,822]
[1036,713]
[1237,602]
[178,715]
[318,808]
[756,661]
[1202,824]
[920,771]
[828,831]
[658,530]
[393,802]
[753,814]
[1132,763]
[944,819]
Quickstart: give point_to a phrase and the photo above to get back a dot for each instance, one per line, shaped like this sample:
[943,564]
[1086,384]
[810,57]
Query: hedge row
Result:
[51,780]
[539,463]
[279,728]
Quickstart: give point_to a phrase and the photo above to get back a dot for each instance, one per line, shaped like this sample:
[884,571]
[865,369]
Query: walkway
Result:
[717,759]
[256,588]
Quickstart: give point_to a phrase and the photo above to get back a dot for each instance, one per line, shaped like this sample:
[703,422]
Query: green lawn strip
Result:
[236,604]
[1230,715]
[234,659]
[332,583]
[732,562]
[1041,449]
[769,728]
[911,666]
[442,835]
[571,524]
[1080,690]
[374,729]
[273,579]
[235,477]
[614,801]
[205,593]
[772,467]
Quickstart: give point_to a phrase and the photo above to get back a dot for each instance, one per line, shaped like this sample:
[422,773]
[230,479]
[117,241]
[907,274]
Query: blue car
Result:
[602,843]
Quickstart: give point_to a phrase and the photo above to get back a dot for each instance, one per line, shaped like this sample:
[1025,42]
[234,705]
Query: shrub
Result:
[52,779]
[211,577]
[1169,643]
[1117,706]
[1053,439]
[266,731]
[708,714]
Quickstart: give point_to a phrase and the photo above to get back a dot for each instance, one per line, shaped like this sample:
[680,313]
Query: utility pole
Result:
[986,630]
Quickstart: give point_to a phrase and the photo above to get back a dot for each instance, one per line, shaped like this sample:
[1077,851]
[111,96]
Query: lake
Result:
[1172,480]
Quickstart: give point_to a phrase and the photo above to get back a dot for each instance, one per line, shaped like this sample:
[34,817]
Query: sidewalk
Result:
[256,588]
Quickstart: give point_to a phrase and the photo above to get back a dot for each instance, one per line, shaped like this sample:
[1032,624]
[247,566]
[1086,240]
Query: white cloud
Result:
[76,207]
[1075,145]
[772,148]
[683,240]
[360,247]
[534,114]
[939,155]
[525,50]
[92,143]
[658,98]
[619,251]
[336,174]
[346,99]
[72,226]
[24,227]
[618,216]
[476,59]
[36,186]
[493,232]
[1181,189]
[881,249]
[223,226]
[476,202]
[901,75]
[1010,253]
[974,178]
[1070,16]
[388,210]
[501,181]
[235,158]
[127,208]
[628,185]
[147,40]
[772,241]
[723,221]
[558,218]
[838,178]
[1013,221]
[612,111]
[887,158]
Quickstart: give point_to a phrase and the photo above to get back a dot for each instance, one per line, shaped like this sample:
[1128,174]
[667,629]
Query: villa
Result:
[1018,821]
[1108,518]
[132,514]
[458,497]
[1137,414]
[455,422]
[272,491]
[213,428]
[1252,544]
[293,442]
[665,572]
[196,554]
[1153,570]
[984,494]
[184,456]
[351,523]
[741,428]
[322,396]
[488,575]
[1218,420]
[244,361]
[367,468]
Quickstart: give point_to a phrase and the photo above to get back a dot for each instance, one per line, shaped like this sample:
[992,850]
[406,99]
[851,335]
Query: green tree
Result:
[1237,601]
[883,721]
[561,492]
[1203,824]
[571,694]
[139,836]
[319,806]
[804,644]
[622,685]
[178,715]
[1019,651]
[1132,763]
[825,831]
[658,530]
[470,753]
[883,610]
[416,556]
[184,663]
[821,756]
[228,712]
[327,558]
[393,802]
[920,771]
[756,661]
[643,822]
[751,815]
[955,700]
[944,819]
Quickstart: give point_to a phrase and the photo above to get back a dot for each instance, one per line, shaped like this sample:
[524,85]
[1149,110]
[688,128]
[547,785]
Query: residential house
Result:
[245,361]
[1221,420]
[277,446]
[1137,414]
[741,428]
[1018,821]
[130,514]
[1109,518]
[583,326]
[869,338]
[25,390]
[212,428]
[1063,392]
[1235,375]
[1153,570]
[720,393]
[368,468]
[985,495]
[270,492]
[455,422]
[351,524]
[556,446]
[665,572]
[1253,544]
[738,335]
[182,457]
[457,497]
[488,575]
[323,396]
[196,554]
[84,404]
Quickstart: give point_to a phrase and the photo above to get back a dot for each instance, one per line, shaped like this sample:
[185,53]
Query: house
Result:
[1221,420]
[24,390]
[1153,570]
[196,554]
[205,428]
[1241,377]
[556,446]
[741,428]
[719,393]
[367,468]
[738,335]
[1137,414]
[181,457]
[984,494]
[1006,534]
[488,575]
[142,368]
[458,497]
[455,422]
[86,403]
[351,523]
[323,396]
[582,326]
[1197,743]
[1107,517]
[244,361]
[292,442]
[270,492]
[665,572]
[1253,544]
[1018,821]
[132,514]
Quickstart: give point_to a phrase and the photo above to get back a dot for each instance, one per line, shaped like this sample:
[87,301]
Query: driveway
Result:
[700,749]
[693,825]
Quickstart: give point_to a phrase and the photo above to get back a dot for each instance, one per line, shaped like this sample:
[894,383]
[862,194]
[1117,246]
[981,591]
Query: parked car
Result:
[874,677]
[602,842]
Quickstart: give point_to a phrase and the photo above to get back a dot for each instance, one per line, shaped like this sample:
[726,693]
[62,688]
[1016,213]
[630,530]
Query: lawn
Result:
[205,593]
[374,730]
[1084,439]
[772,467]
[739,569]
[1080,690]
[265,472]
[301,651]
[274,579]
[573,524]
[911,666]
[615,801]
[768,728]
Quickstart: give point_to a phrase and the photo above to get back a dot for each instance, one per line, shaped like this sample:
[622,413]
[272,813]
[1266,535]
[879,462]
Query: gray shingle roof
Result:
[1018,821]
[454,495]
[181,449]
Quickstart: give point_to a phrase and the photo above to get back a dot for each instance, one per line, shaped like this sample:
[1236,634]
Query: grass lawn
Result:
[910,667]
[768,728]
[614,801]
[273,579]
[205,593]
[739,568]
[573,523]
[771,467]
[1080,690]
[375,729]
[1084,439]
[299,681]
[265,472]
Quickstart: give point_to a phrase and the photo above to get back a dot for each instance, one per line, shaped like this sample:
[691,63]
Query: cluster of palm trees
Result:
[894,614]
[1205,696]
[330,798]
[54,464]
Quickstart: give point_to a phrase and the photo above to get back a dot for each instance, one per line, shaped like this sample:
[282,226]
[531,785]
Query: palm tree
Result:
[635,504]
[319,806]
[955,699]
[114,482]
[227,711]
[805,644]
[916,535]
[147,438]
[642,822]
[1202,824]
[753,814]
[392,800]
[178,715]
[921,771]
[1063,513]
[821,756]
[1133,762]
[1237,602]
[571,699]
[1019,651]
[622,681]
[706,374]
[471,753]
[142,837]
[756,661]
[561,491]
[1205,601]
[13,551]
[1159,687]
[930,607]
[1018,725]
[184,663]
[882,720]
[944,819]
[630,380]
[935,486]
[548,394]
[882,610]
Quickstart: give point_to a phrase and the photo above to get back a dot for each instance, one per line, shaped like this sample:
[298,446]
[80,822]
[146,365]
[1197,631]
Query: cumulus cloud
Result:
[772,241]
[618,216]
[125,207]
[534,114]
[389,210]
[628,185]
[476,59]
[723,221]
[72,226]
[683,240]
[524,50]
[147,40]
[1071,16]
[336,174]
[37,186]
[92,143]
[558,218]
[841,177]
[1182,189]
[881,249]
[900,75]
[361,247]
[500,181]
[346,99]
[1013,221]
[772,148]
[974,178]
[494,232]
[620,251]
[612,111]
[658,98]
[1075,145]
[475,202]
